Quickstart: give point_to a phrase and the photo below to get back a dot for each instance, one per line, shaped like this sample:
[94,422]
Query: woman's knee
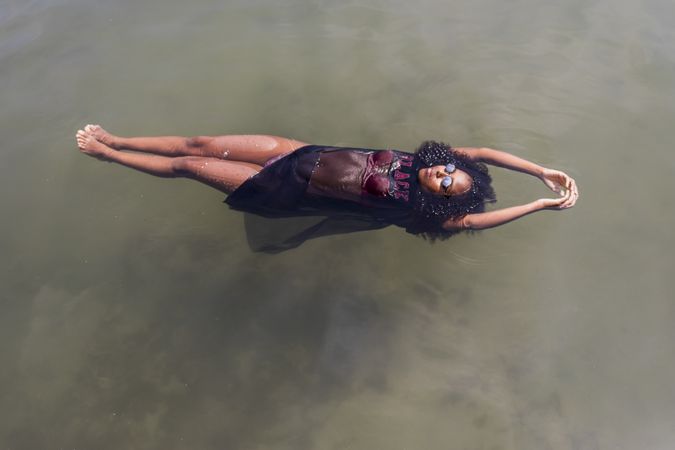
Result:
[198,142]
[186,165]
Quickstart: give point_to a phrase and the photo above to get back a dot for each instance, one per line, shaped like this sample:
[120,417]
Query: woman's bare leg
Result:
[225,176]
[256,149]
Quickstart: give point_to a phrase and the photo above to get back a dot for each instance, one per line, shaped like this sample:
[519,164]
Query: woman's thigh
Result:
[226,176]
[251,148]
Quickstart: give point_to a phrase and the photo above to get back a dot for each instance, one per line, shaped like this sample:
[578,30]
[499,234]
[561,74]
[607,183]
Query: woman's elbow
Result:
[463,223]
[469,223]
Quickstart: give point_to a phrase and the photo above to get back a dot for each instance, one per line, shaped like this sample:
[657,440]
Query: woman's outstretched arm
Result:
[498,217]
[502,159]
[555,180]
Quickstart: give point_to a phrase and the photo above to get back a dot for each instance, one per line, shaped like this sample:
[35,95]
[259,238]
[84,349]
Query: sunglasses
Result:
[446,182]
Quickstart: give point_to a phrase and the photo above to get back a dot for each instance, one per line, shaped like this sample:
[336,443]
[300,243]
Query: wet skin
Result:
[225,162]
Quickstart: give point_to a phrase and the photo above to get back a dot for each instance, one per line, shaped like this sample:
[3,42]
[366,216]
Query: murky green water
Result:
[133,315]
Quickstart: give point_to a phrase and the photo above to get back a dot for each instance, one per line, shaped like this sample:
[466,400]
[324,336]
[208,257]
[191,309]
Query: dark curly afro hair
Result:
[431,210]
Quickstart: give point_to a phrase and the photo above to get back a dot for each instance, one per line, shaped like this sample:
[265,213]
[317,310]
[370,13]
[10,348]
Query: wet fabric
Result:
[321,191]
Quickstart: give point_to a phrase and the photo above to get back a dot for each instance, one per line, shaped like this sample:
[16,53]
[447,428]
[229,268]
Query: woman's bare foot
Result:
[101,135]
[89,145]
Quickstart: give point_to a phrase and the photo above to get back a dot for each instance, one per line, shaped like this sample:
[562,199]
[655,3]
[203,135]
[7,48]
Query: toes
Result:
[93,128]
[82,138]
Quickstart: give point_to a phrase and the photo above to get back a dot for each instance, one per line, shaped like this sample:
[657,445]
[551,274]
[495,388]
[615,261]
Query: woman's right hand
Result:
[566,201]
[556,180]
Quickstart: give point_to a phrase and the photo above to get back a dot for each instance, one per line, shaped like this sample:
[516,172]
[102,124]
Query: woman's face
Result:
[431,178]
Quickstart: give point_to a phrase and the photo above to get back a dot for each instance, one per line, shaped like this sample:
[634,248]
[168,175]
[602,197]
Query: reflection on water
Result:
[133,314]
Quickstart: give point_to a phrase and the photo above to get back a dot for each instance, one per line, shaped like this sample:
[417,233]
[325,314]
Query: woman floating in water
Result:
[436,192]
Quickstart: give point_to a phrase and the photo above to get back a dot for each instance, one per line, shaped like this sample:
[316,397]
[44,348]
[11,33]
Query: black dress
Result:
[321,190]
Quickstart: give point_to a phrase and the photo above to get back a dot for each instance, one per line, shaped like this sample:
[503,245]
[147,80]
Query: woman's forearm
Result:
[555,180]
[509,161]
[491,219]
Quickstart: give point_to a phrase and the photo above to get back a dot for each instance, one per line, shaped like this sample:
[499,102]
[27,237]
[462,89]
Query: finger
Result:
[560,201]
[566,198]
[572,181]
[565,192]
[572,198]
[558,179]
[571,201]
[564,184]
[563,177]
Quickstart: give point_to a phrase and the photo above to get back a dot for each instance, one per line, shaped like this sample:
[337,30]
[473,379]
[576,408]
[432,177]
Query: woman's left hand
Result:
[558,180]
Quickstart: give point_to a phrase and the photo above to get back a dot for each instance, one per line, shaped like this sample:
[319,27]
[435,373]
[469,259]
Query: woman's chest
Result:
[365,176]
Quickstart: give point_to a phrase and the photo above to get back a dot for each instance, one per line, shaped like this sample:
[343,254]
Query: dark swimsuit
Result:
[345,189]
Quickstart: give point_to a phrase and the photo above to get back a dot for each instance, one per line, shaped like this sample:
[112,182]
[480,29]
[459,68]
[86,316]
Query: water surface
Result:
[133,314]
